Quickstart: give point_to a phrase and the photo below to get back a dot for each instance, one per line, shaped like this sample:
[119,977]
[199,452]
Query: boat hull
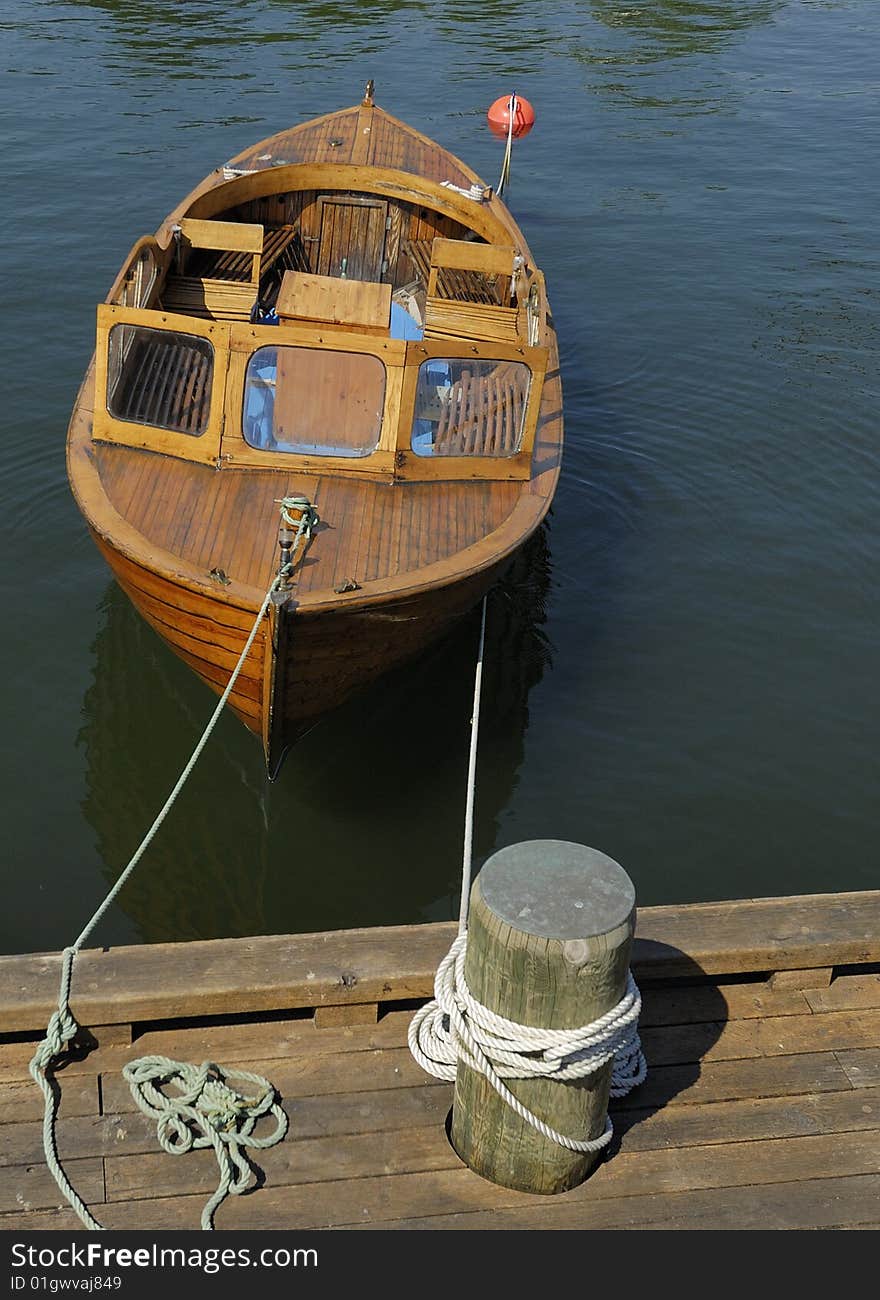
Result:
[208,635]
[183,500]
[321,660]
[302,664]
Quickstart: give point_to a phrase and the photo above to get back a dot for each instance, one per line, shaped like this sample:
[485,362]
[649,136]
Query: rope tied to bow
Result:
[63,1027]
[205,1111]
[307,517]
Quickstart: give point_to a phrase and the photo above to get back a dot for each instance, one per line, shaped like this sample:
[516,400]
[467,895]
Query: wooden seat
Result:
[459,304]
[459,284]
[211,299]
[445,318]
[231,289]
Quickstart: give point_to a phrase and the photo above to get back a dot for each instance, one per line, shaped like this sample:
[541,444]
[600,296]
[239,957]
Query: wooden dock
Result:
[761,1026]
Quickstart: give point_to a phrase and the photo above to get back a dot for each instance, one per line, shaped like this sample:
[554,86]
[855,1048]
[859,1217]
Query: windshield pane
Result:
[313,401]
[160,378]
[470,407]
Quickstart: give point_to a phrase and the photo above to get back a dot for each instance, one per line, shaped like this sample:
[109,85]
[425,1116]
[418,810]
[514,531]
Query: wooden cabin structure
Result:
[761,1108]
[345,314]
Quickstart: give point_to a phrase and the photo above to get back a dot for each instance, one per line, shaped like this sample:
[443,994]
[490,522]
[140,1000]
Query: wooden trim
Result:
[163,256]
[360,149]
[228,976]
[485,219]
[203,448]
[246,339]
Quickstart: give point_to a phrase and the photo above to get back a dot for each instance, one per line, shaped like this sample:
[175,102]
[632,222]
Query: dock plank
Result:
[830,1203]
[747,1120]
[811,1204]
[32,1187]
[846,993]
[647,1176]
[775,1036]
[21,1100]
[862,1068]
[341,1116]
[689,1004]
[307,1076]
[293,1163]
[780,1076]
[340,967]
[263,1040]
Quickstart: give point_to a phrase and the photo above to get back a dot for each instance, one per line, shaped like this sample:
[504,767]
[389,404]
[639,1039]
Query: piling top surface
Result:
[557,889]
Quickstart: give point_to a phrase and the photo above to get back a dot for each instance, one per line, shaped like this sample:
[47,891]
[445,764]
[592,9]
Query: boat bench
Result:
[468,289]
[229,265]
[462,285]
[445,318]
[280,243]
[213,299]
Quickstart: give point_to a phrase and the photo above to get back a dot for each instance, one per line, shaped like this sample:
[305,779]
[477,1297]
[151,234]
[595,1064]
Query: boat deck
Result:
[761,1026]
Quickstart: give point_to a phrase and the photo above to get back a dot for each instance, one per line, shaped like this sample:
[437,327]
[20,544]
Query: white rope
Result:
[456,1027]
[508,148]
[467,857]
[62,1026]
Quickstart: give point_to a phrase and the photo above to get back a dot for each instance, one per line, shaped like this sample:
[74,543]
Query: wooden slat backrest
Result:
[226,236]
[465,255]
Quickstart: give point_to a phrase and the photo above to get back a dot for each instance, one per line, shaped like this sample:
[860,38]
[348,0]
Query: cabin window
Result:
[313,401]
[470,407]
[160,378]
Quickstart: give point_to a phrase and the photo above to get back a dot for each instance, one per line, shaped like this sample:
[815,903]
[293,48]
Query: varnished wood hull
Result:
[206,634]
[322,660]
[301,665]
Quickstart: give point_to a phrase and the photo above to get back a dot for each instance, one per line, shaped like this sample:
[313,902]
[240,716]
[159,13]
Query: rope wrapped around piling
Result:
[456,1027]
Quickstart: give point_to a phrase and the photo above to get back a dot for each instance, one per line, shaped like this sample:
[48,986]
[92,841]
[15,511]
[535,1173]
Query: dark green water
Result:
[684,674]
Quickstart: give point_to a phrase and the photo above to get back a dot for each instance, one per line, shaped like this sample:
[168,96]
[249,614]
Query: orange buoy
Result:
[499,116]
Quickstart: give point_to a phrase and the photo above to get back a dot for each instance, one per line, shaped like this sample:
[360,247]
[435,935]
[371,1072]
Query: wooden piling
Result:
[549,936]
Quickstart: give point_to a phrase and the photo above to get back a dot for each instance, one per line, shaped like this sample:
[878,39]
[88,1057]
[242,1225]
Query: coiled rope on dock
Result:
[205,1111]
[456,1027]
[63,1027]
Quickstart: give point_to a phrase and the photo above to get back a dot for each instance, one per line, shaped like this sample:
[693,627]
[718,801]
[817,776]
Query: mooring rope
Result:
[456,1027]
[62,1026]
[508,148]
[206,1112]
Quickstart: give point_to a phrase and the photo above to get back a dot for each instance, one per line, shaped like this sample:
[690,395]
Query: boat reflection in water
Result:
[364,827]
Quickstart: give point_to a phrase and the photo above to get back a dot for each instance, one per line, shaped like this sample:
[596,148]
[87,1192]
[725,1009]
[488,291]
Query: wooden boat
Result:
[346,314]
